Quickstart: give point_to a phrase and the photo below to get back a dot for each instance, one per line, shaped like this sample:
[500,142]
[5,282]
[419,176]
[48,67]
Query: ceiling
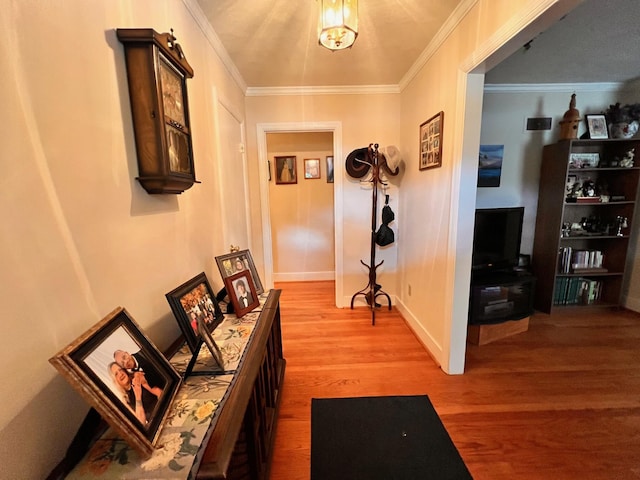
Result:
[273,43]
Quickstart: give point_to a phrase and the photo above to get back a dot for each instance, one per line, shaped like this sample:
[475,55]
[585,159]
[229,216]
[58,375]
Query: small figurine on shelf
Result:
[622,223]
[627,160]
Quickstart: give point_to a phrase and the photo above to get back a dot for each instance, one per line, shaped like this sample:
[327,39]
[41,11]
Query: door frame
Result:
[265,207]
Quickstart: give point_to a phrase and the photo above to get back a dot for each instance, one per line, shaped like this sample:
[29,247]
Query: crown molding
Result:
[332,90]
[213,39]
[552,87]
[447,27]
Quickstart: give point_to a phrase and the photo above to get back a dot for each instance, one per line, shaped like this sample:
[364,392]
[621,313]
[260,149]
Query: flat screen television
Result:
[496,238]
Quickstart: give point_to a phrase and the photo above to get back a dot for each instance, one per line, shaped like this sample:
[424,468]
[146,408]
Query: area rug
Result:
[381,438]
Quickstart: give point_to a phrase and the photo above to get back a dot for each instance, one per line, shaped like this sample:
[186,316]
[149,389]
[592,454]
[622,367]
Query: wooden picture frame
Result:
[191,302]
[431,142]
[330,169]
[123,375]
[235,262]
[242,292]
[597,126]
[285,170]
[311,168]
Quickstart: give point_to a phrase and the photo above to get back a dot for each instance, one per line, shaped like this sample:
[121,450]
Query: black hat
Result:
[384,235]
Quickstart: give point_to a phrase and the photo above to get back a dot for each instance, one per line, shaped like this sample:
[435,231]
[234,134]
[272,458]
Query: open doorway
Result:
[300,233]
[301,205]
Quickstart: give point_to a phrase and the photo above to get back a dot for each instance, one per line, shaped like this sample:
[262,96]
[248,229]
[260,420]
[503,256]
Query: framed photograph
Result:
[122,374]
[330,169]
[269,169]
[431,142]
[192,302]
[597,126]
[286,172]
[311,168]
[490,165]
[239,261]
[584,160]
[242,292]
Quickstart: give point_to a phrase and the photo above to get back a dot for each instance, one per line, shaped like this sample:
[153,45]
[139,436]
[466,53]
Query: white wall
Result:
[79,236]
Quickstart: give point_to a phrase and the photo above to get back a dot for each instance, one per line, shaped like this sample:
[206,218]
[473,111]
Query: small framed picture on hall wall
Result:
[121,374]
[285,170]
[431,142]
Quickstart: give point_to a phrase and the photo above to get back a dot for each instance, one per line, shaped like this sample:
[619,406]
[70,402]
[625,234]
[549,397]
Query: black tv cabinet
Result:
[496,297]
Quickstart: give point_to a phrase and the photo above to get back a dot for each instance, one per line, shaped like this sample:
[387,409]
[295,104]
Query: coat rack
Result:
[358,164]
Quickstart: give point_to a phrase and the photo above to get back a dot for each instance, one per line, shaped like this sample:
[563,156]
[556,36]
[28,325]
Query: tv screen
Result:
[496,238]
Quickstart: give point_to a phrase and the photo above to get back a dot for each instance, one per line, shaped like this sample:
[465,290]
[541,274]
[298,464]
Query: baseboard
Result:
[303,276]
[632,303]
[423,336]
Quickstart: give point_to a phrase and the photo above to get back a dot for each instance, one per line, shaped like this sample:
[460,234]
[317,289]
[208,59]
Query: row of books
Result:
[576,291]
[580,261]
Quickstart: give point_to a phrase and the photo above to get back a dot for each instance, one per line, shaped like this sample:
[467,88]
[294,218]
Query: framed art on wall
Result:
[330,169]
[286,170]
[311,168]
[239,261]
[431,142]
[120,373]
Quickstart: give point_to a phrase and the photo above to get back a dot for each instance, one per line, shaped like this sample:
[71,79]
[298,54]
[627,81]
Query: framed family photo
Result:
[431,142]
[242,292]
[286,171]
[239,261]
[122,374]
[194,302]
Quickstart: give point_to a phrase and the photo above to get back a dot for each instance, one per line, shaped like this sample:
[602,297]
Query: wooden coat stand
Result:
[373,290]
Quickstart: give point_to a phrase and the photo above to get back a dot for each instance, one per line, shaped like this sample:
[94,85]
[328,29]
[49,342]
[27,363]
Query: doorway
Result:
[268,168]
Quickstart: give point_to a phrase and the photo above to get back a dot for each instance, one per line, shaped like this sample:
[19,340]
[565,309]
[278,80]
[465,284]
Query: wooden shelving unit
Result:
[554,210]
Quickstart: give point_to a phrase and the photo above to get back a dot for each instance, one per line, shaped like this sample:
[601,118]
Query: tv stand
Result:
[499,296]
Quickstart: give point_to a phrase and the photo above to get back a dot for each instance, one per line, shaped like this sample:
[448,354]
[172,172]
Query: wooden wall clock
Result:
[157,71]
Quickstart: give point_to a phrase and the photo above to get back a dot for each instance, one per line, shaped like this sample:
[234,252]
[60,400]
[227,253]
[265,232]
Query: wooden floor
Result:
[560,401]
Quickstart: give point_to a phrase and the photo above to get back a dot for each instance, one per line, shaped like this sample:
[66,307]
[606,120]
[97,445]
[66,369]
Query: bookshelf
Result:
[586,201]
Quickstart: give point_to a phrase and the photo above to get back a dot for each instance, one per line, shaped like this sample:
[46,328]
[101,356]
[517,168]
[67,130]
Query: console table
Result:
[238,442]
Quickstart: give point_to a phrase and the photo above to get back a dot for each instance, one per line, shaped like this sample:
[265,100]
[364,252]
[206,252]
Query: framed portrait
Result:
[597,126]
[239,261]
[122,374]
[286,172]
[431,142]
[330,169]
[242,292]
[194,302]
[311,168]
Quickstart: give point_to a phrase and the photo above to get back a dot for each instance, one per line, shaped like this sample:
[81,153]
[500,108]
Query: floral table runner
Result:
[191,418]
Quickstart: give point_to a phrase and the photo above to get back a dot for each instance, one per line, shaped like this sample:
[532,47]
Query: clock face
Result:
[172,92]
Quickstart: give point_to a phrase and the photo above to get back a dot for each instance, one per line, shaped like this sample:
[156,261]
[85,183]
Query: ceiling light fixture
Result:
[338,23]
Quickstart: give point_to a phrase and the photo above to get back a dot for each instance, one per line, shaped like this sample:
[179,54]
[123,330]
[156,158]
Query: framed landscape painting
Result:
[123,375]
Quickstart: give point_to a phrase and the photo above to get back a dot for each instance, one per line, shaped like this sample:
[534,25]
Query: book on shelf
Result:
[576,291]
[580,261]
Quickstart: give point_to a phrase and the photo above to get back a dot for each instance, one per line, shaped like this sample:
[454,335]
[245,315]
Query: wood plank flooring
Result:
[560,401]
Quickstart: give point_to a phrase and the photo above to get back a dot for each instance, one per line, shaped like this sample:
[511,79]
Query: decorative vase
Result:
[623,129]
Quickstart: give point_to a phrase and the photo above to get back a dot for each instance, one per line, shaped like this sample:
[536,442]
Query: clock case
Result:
[157,71]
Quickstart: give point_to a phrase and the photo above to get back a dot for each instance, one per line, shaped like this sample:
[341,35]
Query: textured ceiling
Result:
[273,43]
[595,42]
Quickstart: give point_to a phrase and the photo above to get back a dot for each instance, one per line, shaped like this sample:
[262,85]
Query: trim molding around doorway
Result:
[300,127]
